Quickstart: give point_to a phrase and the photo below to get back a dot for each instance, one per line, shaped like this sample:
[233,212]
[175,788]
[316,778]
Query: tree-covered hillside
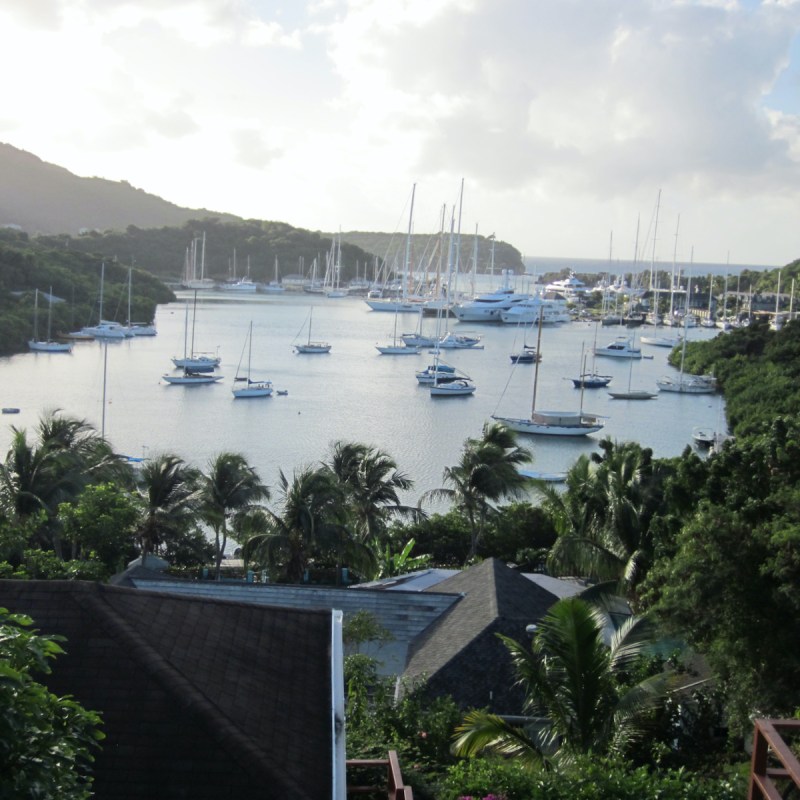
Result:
[26,265]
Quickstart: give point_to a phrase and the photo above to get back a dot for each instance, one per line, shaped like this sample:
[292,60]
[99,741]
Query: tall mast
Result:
[408,243]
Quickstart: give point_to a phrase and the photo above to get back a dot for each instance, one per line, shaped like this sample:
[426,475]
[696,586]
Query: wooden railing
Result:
[392,789]
[772,782]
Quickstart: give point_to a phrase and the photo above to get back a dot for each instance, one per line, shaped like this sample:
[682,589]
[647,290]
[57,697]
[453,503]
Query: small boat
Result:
[443,372]
[192,361]
[703,437]
[9,410]
[632,394]
[590,380]
[398,350]
[189,378]
[452,387]
[310,347]
[621,347]
[527,355]
[45,345]
[250,388]
[282,391]
[458,341]
[105,329]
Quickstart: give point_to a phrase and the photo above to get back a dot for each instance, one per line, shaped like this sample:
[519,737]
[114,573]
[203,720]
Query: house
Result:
[200,697]
[443,622]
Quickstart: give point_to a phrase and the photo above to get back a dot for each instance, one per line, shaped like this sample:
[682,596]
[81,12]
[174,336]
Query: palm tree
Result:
[371,482]
[67,455]
[307,526]
[231,487]
[168,491]
[571,679]
[604,518]
[486,473]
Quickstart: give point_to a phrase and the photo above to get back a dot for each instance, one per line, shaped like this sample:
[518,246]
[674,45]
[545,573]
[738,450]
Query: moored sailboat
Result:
[45,345]
[250,388]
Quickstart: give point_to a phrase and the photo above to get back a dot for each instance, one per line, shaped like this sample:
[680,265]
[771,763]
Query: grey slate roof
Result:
[404,614]
[200,698]
[460,653]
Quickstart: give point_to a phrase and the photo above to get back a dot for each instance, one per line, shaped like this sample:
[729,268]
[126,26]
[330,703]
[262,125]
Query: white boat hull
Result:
[455,388]
[312,348]
[254,389]
[49,347]
[554,423]
[192,379]
[398,350]
[197,364]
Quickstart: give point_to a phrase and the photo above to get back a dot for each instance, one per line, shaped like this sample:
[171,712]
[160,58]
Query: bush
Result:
[586,778]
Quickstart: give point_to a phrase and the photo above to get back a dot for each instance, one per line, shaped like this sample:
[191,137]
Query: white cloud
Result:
[562,115]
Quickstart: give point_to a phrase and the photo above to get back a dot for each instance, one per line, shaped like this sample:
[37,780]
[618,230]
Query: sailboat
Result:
[105,329]
[311,347]
[137,328]
[335,289]
[274,286]
[195,362]
[401,347]
[590,380]
[250,388]
[552,423]
[687,384]
[45,345]
[632,394]
[418,339]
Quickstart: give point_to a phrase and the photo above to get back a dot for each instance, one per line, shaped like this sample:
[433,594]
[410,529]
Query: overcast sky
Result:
[565,118]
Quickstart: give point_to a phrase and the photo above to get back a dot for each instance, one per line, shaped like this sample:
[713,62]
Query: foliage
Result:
[362,627]
[401,562]
[444,536]
[231,488]
[101,524]
[519,533]
[46,742]
[418,727]
[485,473]
[589,778]
[45,565]
[580,689]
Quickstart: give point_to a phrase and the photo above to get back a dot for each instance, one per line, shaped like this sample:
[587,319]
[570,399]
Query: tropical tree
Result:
[605,516]
[47,743]
[573,682]
[486,472]
[307,527]
[66,455]
[230,488]
[371,483]
[169,496]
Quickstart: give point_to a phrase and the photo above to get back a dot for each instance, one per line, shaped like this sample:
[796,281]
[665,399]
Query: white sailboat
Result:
[250,388]
[137,328]
[687,384]
[105,329]
[274,286]
[192,361]
[45,345]
[312,347]
[632,394]
[552,423]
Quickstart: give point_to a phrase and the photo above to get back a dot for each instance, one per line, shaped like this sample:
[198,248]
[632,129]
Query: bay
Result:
[353,393]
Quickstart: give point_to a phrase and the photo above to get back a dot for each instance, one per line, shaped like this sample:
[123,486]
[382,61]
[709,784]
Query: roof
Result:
[404,614]
[200,698]
[461,655]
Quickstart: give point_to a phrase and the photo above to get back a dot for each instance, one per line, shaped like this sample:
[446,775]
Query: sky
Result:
[655,129]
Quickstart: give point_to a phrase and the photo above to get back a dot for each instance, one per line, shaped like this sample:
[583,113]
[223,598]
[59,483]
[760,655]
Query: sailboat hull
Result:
[556,423]
[255,389]
[49,347]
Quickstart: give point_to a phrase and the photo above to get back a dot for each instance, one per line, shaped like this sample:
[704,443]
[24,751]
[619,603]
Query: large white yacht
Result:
[488,307]
[552,309]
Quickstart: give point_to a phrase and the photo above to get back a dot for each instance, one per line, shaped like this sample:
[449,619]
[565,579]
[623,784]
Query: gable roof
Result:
[200,698]
[460,653]
[404,614]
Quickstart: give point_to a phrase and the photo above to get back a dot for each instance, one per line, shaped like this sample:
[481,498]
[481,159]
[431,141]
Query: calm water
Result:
[353,393]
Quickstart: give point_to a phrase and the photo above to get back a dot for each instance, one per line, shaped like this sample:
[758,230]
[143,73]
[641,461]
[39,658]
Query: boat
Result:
[417,338]
[593,379]
[274,286]
[632,394]
[442,371]
[703,437]
[10,410]
[621,347]
[194,362]
[451,387]
[47,345]
[241,285]
[553,310]
[311,347]
[687,384]
[105,329]
[552,423]
[458,341]
[137,328]
[527,355]
[335,290]
[250,388]
[191,378]
[401,347]
[488,307]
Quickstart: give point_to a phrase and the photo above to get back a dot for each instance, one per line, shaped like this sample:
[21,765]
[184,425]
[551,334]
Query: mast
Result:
[536,367]
[194,317]
[408,244]
[653,260]
[674,260]
[36,315]
[49,313]
[102,280]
